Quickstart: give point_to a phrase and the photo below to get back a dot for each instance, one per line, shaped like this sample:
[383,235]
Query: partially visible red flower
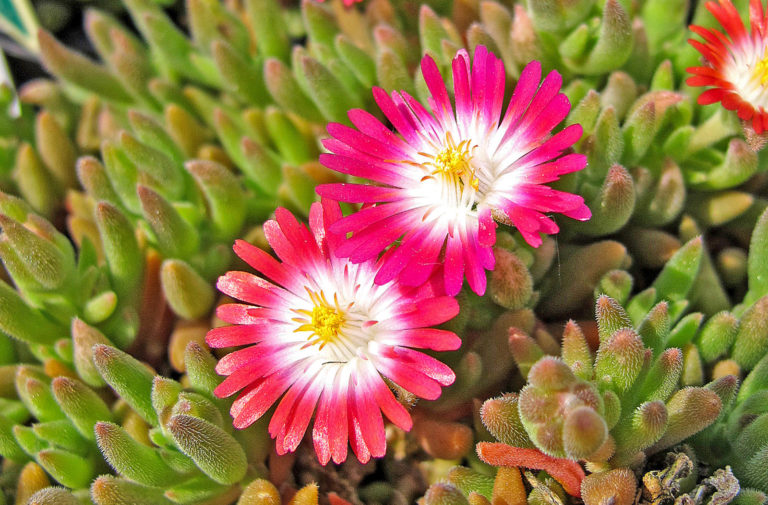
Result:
[454,169]
[736,63]
[347,3]
[320,337]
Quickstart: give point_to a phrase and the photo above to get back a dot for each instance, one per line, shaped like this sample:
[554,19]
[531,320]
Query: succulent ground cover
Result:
[451,252]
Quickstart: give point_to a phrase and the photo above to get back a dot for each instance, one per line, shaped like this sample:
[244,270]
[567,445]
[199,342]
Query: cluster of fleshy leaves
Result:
[259,109]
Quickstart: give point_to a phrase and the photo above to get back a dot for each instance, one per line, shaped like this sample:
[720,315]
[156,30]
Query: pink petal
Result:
[230,336]
[427,313]
[393,409]
[453,265]
[249,288]
[257,399]
[408,378]
[424,338]
[358,193]
[369,417]
[425,364]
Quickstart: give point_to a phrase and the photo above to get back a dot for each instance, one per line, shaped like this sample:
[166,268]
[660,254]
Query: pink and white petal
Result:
[442,103]
[453,265]
[283,414]
[302,413]
[474,268]
[244,334]
[423,338]
[378,171]
[391,408]
[264,263]
[237,313]
[390,109]
[356,439]
[359,193]
[522,94]
[429,312]
[486,232]
[408,378]
[253,355]
[257,399]
[369,417]
[424,363]
[249,288]
[380,148]
[462,90]
[321,427]
[368,124]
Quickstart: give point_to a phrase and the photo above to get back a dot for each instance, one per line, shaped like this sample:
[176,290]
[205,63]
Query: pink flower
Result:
[320,337]
[736,64]
[347,3]
[441,183]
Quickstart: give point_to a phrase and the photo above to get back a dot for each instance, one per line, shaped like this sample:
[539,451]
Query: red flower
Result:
[321,337]
[737,63]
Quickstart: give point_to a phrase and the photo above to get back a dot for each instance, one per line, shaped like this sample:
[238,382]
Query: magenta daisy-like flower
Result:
[451,172]
[321,337]
[736,63]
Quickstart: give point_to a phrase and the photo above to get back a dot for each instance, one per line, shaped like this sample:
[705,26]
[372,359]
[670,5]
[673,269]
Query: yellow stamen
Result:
[454,162]
[325,321]
[761,71]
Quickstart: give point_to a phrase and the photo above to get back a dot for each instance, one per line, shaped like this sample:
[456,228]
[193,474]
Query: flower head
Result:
[452,171]
[736,63]
[320,337]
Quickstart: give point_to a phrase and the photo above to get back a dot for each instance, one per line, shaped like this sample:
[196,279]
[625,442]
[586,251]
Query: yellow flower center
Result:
[325,320]
[453,162]
[761,71]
